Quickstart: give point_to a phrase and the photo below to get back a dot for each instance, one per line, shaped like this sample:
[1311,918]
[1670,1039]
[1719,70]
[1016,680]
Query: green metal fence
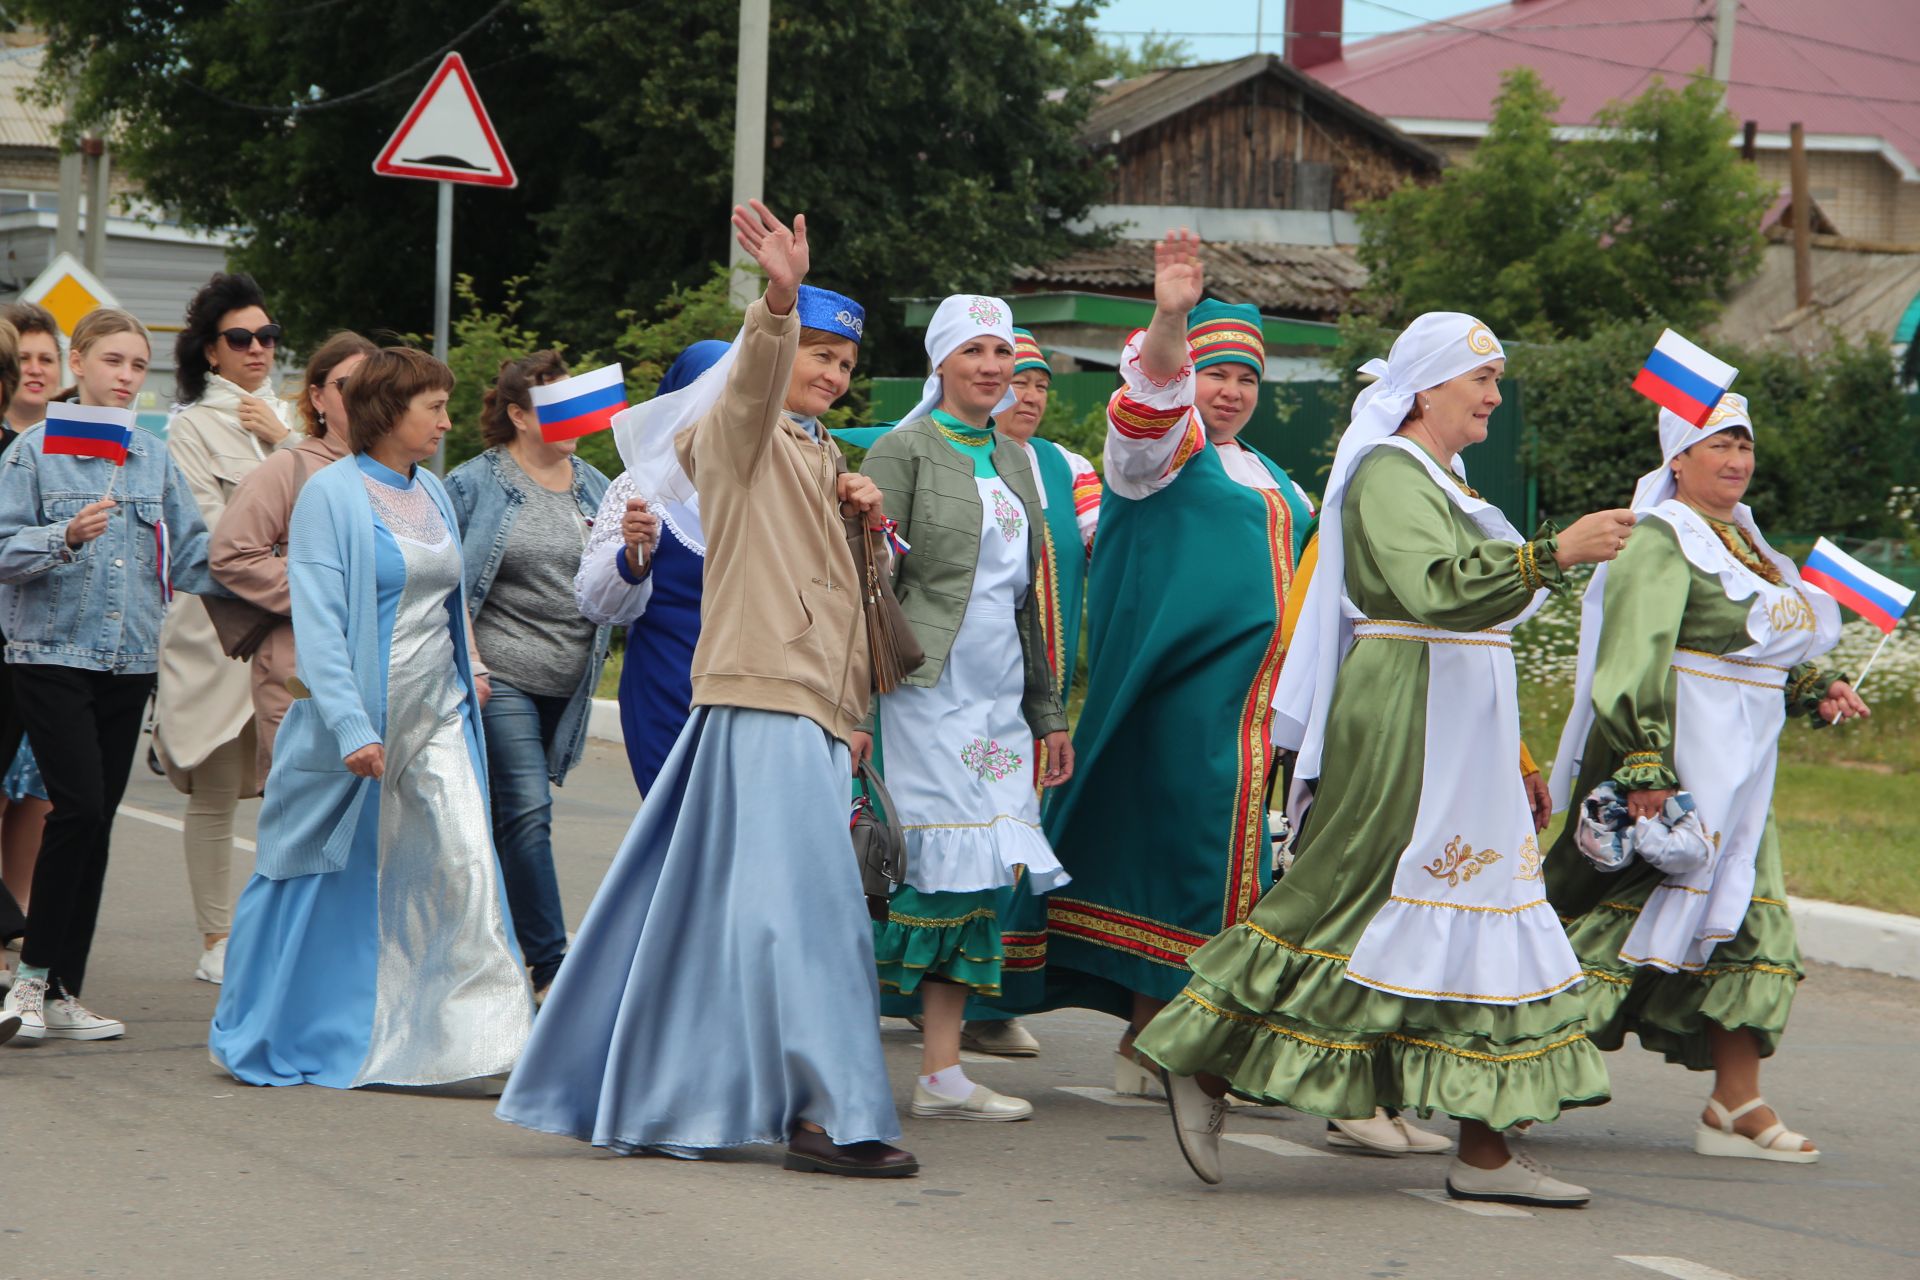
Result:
[1297,424]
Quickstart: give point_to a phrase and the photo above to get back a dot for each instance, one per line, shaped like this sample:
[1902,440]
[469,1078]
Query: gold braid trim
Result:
[1394,1037]
[926,922]
[1643,760]
[1277,940]
[1529,560]
[1744,551]
[1805,686]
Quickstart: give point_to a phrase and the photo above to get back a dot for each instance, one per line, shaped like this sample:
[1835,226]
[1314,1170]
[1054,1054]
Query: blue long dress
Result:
[399,968]
[656,678]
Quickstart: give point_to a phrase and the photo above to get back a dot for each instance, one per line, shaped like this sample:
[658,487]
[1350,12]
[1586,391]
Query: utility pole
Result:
[94,151]
[1724,13]
[749,133]
[1802,218]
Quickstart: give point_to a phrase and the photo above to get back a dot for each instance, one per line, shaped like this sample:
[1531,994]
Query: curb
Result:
[1857,937]
[1830,932]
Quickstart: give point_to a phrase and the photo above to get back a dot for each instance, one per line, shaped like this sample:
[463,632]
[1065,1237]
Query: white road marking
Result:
[1277,1146]
[1678,1268]
[1479,1208]
[1109,1097]
[174,824]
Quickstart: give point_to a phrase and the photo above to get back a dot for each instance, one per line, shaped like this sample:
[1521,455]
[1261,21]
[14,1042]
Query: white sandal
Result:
[1775,1142]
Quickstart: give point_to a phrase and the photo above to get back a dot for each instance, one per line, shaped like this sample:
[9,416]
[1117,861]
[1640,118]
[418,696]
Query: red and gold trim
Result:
[1051,626]
[1218,340]
[1087,491]
[1190,444]
[1137,421]
[1120,931]
[1023,952]
[1250,838]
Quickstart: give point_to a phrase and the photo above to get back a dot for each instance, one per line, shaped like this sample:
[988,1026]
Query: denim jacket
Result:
[97,606]
[486,500]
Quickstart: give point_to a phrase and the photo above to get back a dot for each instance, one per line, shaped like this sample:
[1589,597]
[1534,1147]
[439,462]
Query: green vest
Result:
[1062,590]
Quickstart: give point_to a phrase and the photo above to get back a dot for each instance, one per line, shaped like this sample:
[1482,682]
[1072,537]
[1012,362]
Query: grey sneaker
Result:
[27,1001]
[1521,1180]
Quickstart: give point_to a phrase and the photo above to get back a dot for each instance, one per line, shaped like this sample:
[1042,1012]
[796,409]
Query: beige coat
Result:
[781,623]
[248,556]
[204,698]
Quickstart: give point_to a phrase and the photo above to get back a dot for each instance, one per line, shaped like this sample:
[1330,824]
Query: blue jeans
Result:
[520,730]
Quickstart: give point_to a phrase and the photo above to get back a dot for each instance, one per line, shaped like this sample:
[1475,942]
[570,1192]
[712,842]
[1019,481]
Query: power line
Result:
[343,99]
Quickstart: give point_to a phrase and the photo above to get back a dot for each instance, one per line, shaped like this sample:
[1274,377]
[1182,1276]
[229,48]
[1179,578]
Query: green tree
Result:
[923,143]
[928,145]
[1114,58]
[1656,218]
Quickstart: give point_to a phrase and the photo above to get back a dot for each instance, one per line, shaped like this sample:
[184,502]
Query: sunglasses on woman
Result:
[267,335]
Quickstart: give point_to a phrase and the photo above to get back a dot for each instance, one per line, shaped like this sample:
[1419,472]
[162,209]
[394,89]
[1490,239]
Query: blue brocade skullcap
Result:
[833,313]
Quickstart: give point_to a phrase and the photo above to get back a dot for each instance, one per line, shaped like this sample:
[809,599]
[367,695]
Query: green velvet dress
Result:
[1656,601]
[1269,1006]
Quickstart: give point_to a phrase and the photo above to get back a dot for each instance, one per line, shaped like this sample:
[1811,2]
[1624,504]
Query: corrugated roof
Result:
[1128,106]
[1840,67]
[1277,278]
[1855,292]
[24,124]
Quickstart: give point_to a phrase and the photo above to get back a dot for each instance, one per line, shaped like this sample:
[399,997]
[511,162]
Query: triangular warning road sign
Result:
[447,136]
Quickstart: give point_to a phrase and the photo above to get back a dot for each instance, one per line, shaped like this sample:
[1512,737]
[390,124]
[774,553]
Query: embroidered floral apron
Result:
[959,757]
[1728,713]
[1468,917]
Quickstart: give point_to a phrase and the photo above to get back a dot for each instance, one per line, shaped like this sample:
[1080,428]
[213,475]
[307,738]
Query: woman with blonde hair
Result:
[85,580]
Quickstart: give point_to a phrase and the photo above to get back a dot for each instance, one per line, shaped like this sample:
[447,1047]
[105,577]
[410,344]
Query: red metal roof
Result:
[1841,67]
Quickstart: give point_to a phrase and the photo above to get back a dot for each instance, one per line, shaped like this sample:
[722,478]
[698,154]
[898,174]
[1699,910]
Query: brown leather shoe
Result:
[811,1152]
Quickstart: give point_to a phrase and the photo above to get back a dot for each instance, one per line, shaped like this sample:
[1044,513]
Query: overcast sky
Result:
[1221,29]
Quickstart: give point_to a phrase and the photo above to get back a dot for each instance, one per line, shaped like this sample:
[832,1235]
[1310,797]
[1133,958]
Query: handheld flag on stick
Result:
[580,405]
[83,431]
[1875,597]
[1682,378]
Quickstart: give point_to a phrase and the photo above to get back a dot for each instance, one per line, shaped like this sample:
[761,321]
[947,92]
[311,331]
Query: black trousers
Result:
[13,922]
[84,727]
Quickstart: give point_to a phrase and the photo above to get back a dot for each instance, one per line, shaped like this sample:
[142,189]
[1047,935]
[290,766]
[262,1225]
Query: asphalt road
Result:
[136,1158]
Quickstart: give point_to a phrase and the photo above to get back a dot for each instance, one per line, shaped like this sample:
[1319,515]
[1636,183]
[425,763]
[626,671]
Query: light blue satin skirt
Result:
[722,986]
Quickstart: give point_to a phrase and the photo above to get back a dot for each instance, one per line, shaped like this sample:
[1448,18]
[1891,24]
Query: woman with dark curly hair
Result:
[203,709]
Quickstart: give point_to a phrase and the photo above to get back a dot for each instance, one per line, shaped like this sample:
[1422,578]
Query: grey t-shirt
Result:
[530,632]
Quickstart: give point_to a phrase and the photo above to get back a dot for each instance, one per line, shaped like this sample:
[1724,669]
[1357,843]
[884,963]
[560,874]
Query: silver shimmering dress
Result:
[451,1001]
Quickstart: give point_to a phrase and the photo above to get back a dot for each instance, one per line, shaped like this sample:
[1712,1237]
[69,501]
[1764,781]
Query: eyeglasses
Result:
[340,384]
[267,335]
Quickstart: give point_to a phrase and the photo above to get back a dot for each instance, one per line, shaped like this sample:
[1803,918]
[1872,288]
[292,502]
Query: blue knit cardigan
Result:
[314,805]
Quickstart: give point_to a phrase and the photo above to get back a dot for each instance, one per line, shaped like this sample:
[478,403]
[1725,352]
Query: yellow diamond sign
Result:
[69,291]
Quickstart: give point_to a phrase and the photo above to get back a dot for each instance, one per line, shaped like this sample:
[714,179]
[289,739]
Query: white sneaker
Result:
[982,1104]
[1521,1180]
[1005,1039]
[68,1019]
[27,1002]
[213,964]
[1198,1121]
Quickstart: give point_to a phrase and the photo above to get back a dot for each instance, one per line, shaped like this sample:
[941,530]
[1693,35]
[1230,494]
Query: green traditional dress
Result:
[1273,1006]
[1163,825]
[1701,654]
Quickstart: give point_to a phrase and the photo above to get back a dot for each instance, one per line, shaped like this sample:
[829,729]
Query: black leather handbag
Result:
[879,846]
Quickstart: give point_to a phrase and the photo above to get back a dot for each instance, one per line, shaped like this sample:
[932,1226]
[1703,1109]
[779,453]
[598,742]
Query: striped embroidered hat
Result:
[1222,331]
[1027,354]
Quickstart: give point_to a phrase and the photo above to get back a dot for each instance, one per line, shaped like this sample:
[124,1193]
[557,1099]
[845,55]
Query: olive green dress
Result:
[1655,602]
[1269,1006]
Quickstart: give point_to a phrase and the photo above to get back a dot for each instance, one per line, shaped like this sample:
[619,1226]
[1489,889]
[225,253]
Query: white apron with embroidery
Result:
[1729,710]
[1468,917]
[959,757]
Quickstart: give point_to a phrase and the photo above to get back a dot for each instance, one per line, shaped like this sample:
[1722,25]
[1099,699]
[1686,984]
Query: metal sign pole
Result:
[443,296]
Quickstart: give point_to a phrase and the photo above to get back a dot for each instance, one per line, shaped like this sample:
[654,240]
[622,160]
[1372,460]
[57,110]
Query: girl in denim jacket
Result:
[84,584]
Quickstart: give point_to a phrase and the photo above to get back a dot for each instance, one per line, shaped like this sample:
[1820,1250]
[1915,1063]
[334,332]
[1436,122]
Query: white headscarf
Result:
[1437,347]
[957,321]
[1677,435]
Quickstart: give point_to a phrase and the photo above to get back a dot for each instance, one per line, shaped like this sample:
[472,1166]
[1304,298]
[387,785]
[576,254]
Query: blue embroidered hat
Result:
[833,313]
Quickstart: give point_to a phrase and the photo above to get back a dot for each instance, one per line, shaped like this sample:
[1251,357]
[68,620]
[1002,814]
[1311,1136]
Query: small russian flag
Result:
[1875,597]
[84,431]
[580,405]
[1680,377]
